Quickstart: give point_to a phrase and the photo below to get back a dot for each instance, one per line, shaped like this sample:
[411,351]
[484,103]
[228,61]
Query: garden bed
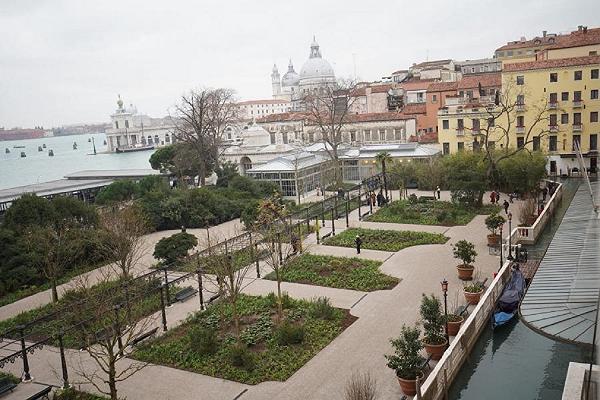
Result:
[442,213]
[73,394]
[259,353]
[336,272]
[385,240]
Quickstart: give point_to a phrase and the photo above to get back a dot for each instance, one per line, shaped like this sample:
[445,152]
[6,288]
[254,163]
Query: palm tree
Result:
[382,158]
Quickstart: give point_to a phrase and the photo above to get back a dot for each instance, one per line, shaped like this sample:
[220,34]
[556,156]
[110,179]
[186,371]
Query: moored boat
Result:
[508,302]
[132,149]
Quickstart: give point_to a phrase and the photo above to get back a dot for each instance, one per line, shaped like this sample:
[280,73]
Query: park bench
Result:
[42,394]
[426,198]
[6,385]
[135,341]
[185,293]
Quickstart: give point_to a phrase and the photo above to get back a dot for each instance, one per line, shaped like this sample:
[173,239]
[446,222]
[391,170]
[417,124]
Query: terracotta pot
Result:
[408,386]
[454,326]
[493,240]
[435,350]
[473,298]
[465,274]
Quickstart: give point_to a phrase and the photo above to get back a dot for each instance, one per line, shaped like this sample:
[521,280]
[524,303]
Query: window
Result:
[520,142]
[553,120]
[594,142]
[553,98]
[272,135]
[446,148]
[461,124]
[491,122]
[564,96]
[461,146]
[470,94]
[594,116]
[564,118]
[353,136]
[594,94]
[577,75]
[520,99]
[593,53]
[576,118]
[576,139]
[520,121]
[594,73]
[126,124]
[553,77]
[520,80]
[536,143]
[552,143]
[284,137]
[434,98]
[116,124]
[445,124]
[367,135]
[476,125]
[577,95]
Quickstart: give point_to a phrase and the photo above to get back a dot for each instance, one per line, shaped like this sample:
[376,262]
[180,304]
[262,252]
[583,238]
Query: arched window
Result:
[167,138]
[246,164]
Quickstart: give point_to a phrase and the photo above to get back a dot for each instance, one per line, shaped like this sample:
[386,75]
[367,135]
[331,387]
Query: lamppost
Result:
[501,246]
[510,257]
[445,290]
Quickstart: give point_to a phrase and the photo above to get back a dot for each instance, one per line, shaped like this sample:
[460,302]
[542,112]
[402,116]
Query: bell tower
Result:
[275,81]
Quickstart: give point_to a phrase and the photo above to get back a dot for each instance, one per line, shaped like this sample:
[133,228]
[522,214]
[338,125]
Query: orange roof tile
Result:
[546,64]
[573,39]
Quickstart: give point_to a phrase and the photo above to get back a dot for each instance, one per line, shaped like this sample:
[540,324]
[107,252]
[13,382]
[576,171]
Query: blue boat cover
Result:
[500,318]
[514,289]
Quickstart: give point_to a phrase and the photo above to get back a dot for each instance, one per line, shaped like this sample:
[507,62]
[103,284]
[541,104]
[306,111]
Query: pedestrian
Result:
[439,192]
[358,242]
[318,190]
[498,196]
[380,199]
[544,194]
[493,197]
[506,205]
[373,199]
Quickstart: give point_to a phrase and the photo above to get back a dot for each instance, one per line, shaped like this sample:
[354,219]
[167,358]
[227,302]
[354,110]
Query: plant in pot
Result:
[433,326]
[465,251]
[473,292]
[453,320]
[406,360]
[493,222]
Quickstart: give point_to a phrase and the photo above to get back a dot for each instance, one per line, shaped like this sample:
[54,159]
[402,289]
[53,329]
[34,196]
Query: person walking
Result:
[493,197]
[358,242]
[544,194]
[373,199]
[498,196]
[439,192]
[506,205]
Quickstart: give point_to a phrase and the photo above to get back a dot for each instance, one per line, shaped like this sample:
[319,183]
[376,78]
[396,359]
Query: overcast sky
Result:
[65,61]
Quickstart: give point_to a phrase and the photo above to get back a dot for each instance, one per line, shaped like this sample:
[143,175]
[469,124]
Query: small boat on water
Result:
[132,149]
[509,300]
[6,150]
[18,147]
[51,153]
[44,145]
[40,148]
[74,145]
[23,155]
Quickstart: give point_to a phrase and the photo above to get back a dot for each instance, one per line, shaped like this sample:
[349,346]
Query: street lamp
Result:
[445,291]
[501,246]
[510,257]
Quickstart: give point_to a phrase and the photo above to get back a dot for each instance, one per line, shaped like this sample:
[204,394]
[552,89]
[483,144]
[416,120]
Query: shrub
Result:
[241,357]
[288,334]
[203,340]
[406,360]
[526,211]
[493,222]
[174,248]
[464,251]
[322,308]
[433,320]
[413,199]
[361,386]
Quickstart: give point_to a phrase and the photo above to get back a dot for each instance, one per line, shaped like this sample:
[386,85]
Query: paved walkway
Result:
[360,347]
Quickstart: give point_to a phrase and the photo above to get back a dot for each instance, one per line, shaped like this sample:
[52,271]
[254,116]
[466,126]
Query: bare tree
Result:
[361,386]
[124,227]
[200,119]
[328,110]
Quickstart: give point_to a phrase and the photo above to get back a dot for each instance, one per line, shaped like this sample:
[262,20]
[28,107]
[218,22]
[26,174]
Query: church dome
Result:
[291,78]
[316,69]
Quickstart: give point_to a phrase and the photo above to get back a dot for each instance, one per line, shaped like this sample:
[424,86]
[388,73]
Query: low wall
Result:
[530,234]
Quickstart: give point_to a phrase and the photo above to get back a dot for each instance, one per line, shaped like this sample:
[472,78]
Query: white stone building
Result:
[252,109]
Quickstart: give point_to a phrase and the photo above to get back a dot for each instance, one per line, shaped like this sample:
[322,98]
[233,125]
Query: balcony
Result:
[553,105]
[577,127]
[577,103]
[460,131]
[520,129]
[520,107]
[553,128]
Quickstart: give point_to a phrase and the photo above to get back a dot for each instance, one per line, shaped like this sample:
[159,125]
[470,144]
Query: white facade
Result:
[252,109]
[130,130]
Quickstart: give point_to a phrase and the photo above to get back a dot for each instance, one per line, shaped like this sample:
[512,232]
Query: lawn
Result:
[428,213]
[336,272]
[265,351]
[144,291]
[386,240]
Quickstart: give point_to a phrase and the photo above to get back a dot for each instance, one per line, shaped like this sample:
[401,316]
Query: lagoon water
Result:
[39,167]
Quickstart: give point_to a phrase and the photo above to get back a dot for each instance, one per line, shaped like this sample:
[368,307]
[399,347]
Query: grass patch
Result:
[73,394]
[386,240]
[11,378]
[264,352]
[442,213]
[145,293]
[336,272]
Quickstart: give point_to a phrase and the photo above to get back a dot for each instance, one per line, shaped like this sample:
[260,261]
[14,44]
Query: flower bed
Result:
[336,272]
[386,240]
[258,355]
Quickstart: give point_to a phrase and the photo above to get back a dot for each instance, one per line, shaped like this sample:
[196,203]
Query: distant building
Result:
[479,66]
[443,70]
[252,109]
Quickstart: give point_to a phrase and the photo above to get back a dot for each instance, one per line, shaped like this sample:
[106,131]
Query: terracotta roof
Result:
[470,81]
[558,63]
[573,39]
[442,86]
[430,137]
[269,101]
[411,109]
[374,89]
[417,84]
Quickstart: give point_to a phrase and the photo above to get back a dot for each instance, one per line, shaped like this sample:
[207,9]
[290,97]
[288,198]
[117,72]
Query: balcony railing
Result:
[520,129]
[553,128]
[577,127]
[577,103]
[460,131]
[520,107]
[553,105]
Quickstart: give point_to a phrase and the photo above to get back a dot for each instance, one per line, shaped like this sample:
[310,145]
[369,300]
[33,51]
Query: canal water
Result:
[514,362]
[38,167]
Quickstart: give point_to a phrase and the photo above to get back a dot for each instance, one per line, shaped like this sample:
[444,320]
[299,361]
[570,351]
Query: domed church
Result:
[315,74]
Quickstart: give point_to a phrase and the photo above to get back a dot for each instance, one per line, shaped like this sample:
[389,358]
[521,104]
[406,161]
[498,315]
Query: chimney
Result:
[579,28]
[585,29]
[544,33]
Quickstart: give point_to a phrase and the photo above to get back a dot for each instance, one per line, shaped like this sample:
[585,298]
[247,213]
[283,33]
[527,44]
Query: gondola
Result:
[508,303]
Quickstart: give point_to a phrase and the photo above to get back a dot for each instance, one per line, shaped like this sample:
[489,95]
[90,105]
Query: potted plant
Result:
[454,323]
[433,325]
[465,251]
[473,292]
[493,222]
[406,360]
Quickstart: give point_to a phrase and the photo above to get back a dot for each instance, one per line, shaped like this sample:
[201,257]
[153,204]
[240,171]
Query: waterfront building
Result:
[132,131]
[252,109]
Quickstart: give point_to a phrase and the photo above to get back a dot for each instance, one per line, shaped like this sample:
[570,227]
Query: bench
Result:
[135,341]
[185,294]
[42,394]
[6,385]
[426,198]
[326,236]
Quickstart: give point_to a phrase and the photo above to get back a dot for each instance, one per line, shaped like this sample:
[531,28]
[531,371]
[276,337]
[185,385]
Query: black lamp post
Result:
[510,257]
[445,290]
[501,245]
